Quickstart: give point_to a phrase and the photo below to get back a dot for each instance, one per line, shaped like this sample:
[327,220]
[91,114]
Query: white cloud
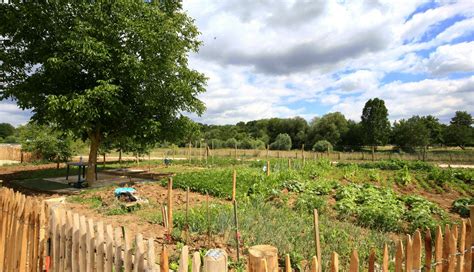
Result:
[438,97]
[452,58]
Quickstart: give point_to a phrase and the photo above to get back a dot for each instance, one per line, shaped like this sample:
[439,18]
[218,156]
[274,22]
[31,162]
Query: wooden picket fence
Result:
[41,236]
[22,233]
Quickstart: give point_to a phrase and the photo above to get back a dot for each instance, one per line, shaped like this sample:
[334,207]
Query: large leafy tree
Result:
[460,131]
[101,69]
[6,130]
[331,127]
[375,124]
[411,134]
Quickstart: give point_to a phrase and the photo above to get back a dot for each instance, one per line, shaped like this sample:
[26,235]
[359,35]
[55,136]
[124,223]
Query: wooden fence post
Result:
[446,247]
[183,260]
[316,238]
[462,247]
[215,260]
[372,260]
[100,247]
[439,250]
[268,168]
[468,255]
[118,260]
[354,264]
[196,262]
[334,262]
[385,259]
[164,263]
[409,254]
[314,264]
[287,263]
[428,250]
[417,250]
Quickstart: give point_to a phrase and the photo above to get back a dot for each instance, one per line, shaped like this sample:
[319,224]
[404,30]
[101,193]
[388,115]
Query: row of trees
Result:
[374,129]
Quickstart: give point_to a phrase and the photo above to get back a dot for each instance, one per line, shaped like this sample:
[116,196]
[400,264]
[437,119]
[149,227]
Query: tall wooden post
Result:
[234,184]
[316,238]
[268,168]
[170,205]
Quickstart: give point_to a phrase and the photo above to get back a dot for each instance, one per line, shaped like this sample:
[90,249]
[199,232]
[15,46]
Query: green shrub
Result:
[460,206]
[322,146]
[282,142]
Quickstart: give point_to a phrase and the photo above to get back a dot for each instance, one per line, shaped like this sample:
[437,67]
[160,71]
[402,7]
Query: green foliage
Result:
[46,143]
[322,146]
[420,213]
[393,165]
[231,143]
[411,134]
[383,209]
[102,71]
[375,124]
[282,142]
[331,127]
[461,206]
[403,177]
[6,130]
[307,202]
[460,131]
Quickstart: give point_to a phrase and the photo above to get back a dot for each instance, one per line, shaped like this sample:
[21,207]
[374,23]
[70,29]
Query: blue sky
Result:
[306,58]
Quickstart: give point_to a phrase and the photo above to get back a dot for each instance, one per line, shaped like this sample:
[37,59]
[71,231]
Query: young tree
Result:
[101,70]
[375,124]
[282,142]
[460,131]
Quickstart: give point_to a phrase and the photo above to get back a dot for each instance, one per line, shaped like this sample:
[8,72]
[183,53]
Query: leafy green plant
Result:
[460,206]
[307,202]
[403,176]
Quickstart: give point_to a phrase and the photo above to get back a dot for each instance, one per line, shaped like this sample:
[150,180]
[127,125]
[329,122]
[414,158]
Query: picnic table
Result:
[82,170]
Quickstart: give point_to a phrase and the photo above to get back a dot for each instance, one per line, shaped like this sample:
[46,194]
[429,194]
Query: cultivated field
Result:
[361,205]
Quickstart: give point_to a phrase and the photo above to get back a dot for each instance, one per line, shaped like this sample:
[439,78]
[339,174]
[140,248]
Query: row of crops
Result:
[277,209]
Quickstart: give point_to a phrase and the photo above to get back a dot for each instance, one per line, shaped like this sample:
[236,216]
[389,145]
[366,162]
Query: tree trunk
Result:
[94,137]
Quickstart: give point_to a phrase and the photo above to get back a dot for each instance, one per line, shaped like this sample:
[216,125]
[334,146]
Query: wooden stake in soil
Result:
[236,221]
[399,257]
[234,184]
[170,206]
[268,168]
[208,220]
[316,238]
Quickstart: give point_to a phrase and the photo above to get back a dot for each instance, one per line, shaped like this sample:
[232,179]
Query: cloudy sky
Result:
[275,58]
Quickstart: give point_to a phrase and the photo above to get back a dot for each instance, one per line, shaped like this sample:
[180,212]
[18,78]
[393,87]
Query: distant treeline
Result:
[334,130]
[331,131]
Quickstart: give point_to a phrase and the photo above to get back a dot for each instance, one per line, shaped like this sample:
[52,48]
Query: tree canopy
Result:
[101,70]
[460,131]
[375,124]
